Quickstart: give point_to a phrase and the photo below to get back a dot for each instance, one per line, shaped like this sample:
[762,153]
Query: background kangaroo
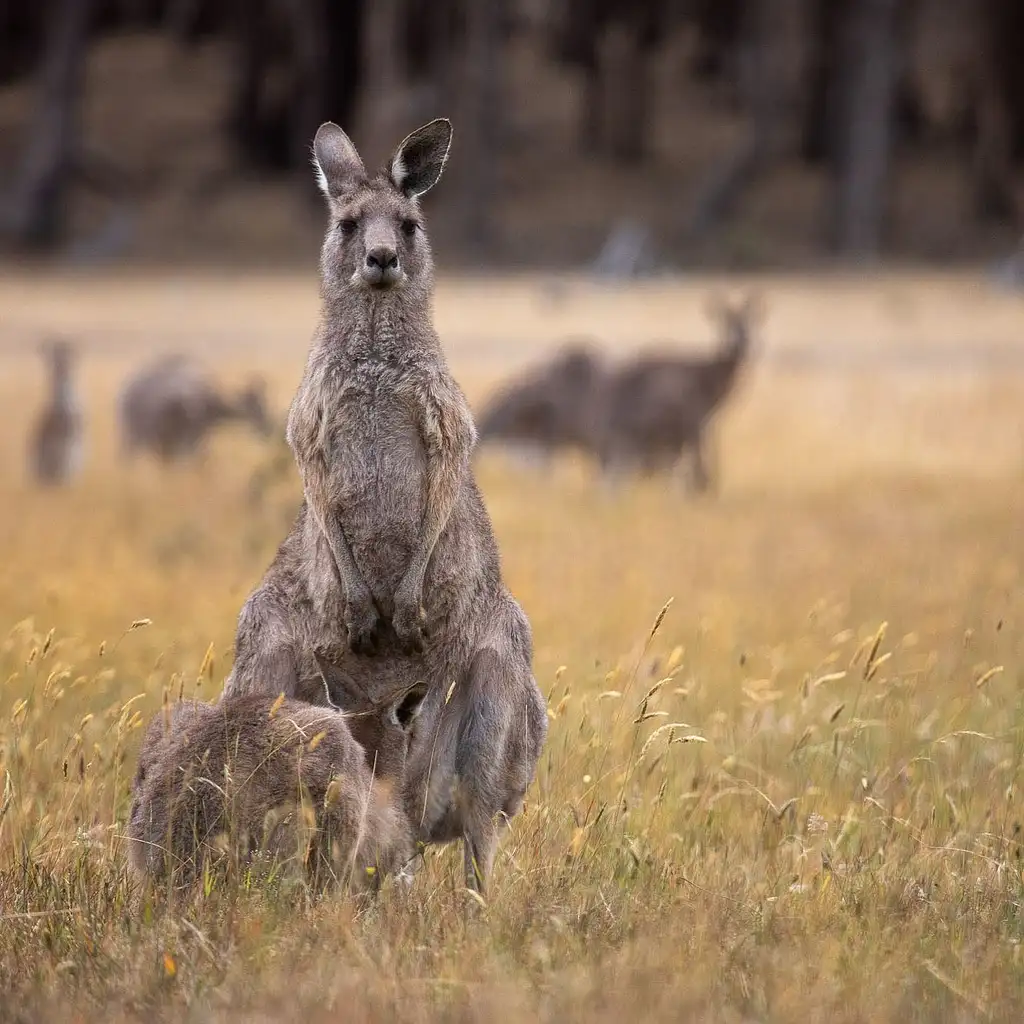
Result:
[659,405]
[243,769]
[550,407]
[56,444]
[392,553]
[171,406]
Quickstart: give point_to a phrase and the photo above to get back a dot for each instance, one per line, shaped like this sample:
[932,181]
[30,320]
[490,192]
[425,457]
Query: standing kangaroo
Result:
[659,405]
[243,768]
[171,405]
[56,444]
[391,570]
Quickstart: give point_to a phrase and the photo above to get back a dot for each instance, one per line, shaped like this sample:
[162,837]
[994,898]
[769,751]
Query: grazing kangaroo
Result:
[391,571]
[56,445]
[171,405]
[659,405]
[243,770]
[550,407]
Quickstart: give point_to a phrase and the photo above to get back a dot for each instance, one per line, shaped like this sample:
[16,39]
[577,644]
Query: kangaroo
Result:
[550,407]
[170,406]
[391,571]
[243,768]
[56,444]
[660,404]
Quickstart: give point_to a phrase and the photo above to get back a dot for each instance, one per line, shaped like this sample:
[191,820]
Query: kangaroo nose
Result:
[382,259]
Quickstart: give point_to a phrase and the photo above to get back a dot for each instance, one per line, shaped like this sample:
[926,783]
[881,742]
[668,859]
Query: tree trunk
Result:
[309,41]
[822,78]
[386,91]
[481,92]
[997,100]
[637,28]
[592,109]
[870,64]
[37,205]
[719,25]
[762,82]
[22,36]
[627,93]
[346,23]
[258,132]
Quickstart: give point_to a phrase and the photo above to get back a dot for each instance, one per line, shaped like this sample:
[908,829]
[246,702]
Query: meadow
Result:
[784,768]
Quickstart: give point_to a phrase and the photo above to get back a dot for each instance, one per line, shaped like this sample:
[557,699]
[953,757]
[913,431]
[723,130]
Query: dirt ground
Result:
[827,832]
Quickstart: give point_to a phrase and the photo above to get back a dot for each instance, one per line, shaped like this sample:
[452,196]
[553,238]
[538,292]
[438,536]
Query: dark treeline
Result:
[854,100]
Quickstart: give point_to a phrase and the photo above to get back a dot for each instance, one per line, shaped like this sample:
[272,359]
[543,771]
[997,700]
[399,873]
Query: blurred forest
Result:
[619,133]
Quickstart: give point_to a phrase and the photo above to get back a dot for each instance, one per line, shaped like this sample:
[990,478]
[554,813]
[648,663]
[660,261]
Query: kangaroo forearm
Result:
[341,552]
[442,494]
[349,576]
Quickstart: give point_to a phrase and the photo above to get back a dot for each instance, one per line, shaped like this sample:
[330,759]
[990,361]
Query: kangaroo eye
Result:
[348,226]
[409,228]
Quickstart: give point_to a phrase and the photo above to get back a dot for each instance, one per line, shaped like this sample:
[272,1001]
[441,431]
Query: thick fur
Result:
[391,572]
[657,407]
[170,406]
[234,777]
[57,440]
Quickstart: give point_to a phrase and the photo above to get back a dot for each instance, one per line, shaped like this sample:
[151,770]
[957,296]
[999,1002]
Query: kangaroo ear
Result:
[407,708]
[339,168]
[420,158]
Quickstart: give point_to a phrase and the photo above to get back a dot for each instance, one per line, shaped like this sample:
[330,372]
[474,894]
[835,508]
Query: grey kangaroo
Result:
[171,405]
[56,444]
[549,407]
[658,406]
[391,571]
[242,770]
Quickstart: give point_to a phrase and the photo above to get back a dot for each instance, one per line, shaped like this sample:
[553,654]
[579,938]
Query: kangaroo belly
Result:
[382,486]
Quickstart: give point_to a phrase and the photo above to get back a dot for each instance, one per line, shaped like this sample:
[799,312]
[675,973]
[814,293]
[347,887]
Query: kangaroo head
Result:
[577,363]
[386,730]
[736,319]
[376,241]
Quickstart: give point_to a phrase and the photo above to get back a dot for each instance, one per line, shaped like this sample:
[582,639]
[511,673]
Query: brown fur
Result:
[550,407]
[659,405]
[247,769]
[55,445]
[171,406]
[391,572]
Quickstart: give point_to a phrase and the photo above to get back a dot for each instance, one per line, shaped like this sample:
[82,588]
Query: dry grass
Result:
[796,799]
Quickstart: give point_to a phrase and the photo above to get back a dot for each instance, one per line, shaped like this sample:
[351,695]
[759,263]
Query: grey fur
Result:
[658,406]
[391,573]
[57,439]
[171,405]
[242,769]
[551,407]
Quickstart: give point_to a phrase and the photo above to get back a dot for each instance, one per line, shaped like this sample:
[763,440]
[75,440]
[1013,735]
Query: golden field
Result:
[783,775]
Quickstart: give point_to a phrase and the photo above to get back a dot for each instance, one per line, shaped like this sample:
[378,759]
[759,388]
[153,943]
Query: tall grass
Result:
[781,783]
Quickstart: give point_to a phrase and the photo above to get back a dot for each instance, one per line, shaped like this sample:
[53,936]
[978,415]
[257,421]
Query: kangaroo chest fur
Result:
[358,421]
[378,468]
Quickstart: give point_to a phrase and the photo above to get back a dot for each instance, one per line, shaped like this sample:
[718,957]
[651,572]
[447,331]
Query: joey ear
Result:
[420,158]
[339,168]
[407,708]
